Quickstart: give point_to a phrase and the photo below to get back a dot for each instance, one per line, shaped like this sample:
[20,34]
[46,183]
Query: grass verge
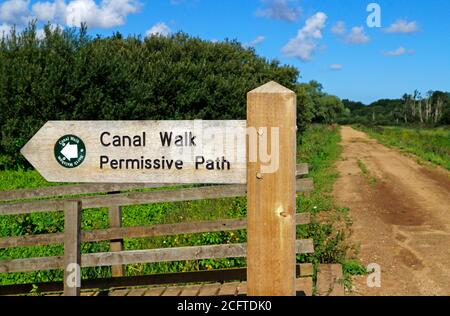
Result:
[430,144]
[366,173]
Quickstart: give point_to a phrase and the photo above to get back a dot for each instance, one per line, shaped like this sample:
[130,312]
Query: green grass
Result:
[318,146]
[430,144]
[362,166]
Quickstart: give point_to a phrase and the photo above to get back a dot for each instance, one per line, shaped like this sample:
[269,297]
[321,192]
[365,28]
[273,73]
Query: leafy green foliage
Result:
[430,110]
[319,147]
[66,75]
[315,106]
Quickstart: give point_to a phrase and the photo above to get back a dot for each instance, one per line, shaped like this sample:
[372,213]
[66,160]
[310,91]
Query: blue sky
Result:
[327,40]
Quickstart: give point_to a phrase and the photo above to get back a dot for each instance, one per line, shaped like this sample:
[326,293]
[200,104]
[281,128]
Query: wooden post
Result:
[271,196]
[115,220]
[72,253]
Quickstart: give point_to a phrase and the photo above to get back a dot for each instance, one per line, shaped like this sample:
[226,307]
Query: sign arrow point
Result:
[70,151]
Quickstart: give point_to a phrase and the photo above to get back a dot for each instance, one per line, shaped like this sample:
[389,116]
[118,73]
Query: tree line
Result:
[65,74]
[432,109]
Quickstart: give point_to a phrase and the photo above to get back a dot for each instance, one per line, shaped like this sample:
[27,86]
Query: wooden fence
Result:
[62,198]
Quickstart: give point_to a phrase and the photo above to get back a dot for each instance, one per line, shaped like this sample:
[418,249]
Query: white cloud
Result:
[104,14]
[336,67]
[402,26]
[50,11]
[304,44]
[399,52]
[107,14]
[357,36]
[258,40]
[14,11]
[159,29]
[5,29]
[339,28]
[279,10]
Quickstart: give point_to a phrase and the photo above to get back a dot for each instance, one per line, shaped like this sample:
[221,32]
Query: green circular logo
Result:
[70,151]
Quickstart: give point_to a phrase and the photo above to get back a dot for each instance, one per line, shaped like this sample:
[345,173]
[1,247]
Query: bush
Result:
[67,75]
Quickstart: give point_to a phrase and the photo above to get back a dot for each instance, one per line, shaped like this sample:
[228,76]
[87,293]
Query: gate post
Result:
[271,194]
[72,253]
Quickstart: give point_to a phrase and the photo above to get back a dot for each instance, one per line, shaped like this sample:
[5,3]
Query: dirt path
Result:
[401,219]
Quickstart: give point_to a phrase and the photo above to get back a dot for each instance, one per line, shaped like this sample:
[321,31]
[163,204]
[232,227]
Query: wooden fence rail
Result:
[137,198]
[138,232]
[117,257]
[92,188]
[140,256]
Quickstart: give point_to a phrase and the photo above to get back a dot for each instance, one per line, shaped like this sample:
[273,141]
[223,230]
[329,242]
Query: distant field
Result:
[318,146]
[430,144]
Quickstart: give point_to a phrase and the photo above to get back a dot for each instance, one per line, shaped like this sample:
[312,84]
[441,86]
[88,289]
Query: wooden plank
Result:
[306,269]
[155,291]
[163,255]
[242,288]
[177,254]
[72,251]
[302,169]
[209,289]
[304,286]
[229,289]
[173,291]
[137,198]
[91,188]
[330,280]
[137,292]
[31,264]
[142,256]
[147,159]
[139,232]
[115,221]
[119,292]
[271,192]
[84,188]
[191,290]
[31,240]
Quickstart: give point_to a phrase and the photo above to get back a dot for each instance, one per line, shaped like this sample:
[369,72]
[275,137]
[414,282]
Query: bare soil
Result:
[401,221]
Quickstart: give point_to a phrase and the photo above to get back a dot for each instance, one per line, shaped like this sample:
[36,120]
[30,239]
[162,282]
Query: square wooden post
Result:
[115,220]
[72,252]
[271,194]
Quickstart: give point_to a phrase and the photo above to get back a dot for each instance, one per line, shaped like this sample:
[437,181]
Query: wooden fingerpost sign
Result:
[260,152]
[271,111]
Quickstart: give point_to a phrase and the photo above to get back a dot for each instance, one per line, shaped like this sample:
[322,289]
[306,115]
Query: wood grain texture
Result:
[136,198]
[271,196]
[116,244]
[139,232]
[84,188]
[72,253]
[213,139]
[91,188]
[141,256]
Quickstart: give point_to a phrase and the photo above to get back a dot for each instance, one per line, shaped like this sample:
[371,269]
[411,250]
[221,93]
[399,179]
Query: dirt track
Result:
[402,221]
